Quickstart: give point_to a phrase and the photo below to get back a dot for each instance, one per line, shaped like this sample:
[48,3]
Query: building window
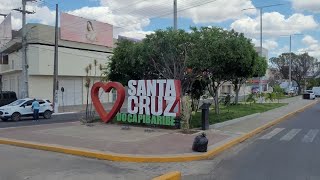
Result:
[4,59]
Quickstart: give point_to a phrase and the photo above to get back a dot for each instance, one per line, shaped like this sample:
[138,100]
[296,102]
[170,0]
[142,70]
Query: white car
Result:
[22,108]
[316,91]
[310,94]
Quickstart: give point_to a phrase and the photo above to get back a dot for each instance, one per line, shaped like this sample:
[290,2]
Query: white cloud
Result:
[275,24]
[309,5]
[219,11]
[42,13]
[123,23]
[135,34]
[313,46]
[269,44]
[6,6]
[131,17]
[199,11]
[278,51]
[16,22]
[309,40]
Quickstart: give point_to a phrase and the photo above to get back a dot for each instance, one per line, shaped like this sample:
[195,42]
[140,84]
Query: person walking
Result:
[35,107]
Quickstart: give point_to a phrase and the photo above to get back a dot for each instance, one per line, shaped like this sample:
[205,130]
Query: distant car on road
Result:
[316,91]
[7,97]
[255,90]
[309,94]
[291,91]
[22,108]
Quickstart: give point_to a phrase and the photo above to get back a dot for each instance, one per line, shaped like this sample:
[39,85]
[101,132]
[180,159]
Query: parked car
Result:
[255,90]
[292,91]
[7,97]
[316,91]
[22,108]
[309,94]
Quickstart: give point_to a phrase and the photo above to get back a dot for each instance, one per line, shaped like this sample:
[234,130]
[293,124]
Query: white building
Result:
[73,58]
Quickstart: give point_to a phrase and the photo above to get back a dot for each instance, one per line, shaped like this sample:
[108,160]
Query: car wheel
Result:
[47,114]
[16,116]
[4,119]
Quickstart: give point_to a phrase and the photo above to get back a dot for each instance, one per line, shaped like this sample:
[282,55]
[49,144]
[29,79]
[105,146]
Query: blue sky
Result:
[135,18]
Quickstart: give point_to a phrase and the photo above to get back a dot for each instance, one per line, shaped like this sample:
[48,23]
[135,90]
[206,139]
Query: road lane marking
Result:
[309,137]
[290,135]
[272,133]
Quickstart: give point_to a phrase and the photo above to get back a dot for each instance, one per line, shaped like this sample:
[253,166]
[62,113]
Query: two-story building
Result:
[73,58]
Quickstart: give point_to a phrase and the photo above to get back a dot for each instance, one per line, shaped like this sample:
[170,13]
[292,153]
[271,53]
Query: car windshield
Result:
[17,102]
[309,91]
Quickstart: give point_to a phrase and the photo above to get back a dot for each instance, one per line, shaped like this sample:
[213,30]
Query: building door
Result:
[72,94]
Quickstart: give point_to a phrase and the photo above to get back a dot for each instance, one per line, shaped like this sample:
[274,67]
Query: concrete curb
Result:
[140,158]
[226,123]
[175,175]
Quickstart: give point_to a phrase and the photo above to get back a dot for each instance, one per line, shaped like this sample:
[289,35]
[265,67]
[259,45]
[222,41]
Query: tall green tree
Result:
[212,54]
[260,67]
[244,60]
[303,66]
[129,61]
[167,52]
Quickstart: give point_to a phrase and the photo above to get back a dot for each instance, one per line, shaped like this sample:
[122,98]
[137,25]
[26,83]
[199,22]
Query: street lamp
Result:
[290,57]
[261,10]
[261,49]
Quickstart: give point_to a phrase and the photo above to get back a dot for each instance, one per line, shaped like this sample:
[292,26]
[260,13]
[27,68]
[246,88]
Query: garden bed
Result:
[232,112]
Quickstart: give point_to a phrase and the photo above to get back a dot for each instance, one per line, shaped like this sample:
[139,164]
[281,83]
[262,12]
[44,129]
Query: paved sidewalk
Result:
[136,141]
[250,124]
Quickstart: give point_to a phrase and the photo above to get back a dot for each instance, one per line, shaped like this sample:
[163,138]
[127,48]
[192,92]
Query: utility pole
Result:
[290,65]
[261,48]
[175,15]
[290,57]
[25,75]
[55,70]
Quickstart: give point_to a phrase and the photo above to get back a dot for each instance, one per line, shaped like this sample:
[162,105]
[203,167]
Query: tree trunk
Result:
[216,102]
[236,100]
[299,87]
[197,107]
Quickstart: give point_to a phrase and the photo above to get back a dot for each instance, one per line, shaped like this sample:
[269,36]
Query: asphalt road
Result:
[27,164]
[288,151]
[28,121]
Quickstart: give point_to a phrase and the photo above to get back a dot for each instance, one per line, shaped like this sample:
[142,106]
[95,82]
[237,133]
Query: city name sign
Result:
[154,102]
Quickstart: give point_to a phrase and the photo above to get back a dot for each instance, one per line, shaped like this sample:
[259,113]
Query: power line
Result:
[163,13]
[129,5]
[125,28]
[159,16]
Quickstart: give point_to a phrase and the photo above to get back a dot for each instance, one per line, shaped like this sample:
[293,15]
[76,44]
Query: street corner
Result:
[139,143]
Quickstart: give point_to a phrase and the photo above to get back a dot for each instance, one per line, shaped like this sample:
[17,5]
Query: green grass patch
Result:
[234,111]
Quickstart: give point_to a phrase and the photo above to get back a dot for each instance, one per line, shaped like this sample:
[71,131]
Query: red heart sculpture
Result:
[104,115]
